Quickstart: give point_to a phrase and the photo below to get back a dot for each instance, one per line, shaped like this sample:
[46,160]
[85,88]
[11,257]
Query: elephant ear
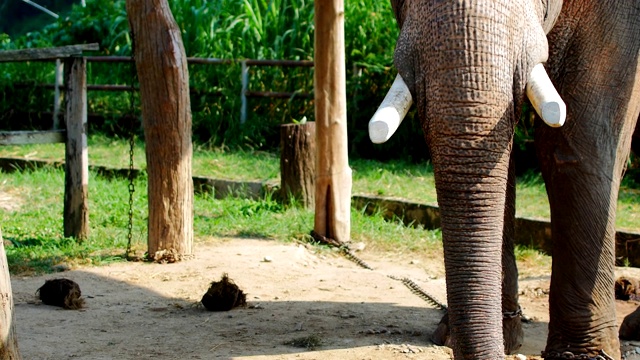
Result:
[398,10]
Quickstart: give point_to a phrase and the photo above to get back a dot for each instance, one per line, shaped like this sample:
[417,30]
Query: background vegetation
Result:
[226,29]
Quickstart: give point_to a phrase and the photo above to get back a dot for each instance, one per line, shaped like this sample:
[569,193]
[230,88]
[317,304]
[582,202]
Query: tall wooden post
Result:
[9,343]
[161,64]
[333,181]
[76,209]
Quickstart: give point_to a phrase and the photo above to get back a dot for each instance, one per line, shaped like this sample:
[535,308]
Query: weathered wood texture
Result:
[46,53]
[9,346]
[333,180]
[298,162]
[32,137]
[76,197]
[161,63]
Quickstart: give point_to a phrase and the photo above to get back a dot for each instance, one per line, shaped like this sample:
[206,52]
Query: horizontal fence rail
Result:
[245,93]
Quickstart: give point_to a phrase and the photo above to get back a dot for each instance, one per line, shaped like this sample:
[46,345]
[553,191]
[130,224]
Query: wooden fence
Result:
[245,92]
[71,63]
[76,209]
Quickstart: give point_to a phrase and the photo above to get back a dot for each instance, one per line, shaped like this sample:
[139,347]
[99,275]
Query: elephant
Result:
[466,64]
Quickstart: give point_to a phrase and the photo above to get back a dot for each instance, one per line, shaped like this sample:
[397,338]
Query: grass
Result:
[32,221]
[32,224]
[392,179]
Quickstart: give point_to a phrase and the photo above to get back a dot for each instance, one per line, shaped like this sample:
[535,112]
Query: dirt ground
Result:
[295,296]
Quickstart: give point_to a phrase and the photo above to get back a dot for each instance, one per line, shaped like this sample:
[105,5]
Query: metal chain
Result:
[132,141]
[415,288]
[571,356]
[512,314]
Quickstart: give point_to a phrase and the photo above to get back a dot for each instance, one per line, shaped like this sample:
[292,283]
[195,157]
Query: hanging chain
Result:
[132,142]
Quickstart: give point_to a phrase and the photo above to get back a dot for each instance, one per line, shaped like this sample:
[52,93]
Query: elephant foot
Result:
[442,335]
[511,329]
[630,328]
[512,332]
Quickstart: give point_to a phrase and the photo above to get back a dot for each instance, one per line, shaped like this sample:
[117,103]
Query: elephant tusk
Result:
[391,112]
[544,97]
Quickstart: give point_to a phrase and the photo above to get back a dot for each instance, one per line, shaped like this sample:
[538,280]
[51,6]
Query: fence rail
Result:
[245,93]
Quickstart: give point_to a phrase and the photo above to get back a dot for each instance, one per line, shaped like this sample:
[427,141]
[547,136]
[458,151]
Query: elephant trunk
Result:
[471,178]
[466,104]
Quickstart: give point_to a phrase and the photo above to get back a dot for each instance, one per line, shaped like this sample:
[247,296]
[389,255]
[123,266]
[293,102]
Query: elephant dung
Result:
[61,292]
[223,295]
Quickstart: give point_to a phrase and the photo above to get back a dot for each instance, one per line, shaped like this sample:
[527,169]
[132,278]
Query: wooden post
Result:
[56,97]
[9,346]
[161,64]
[76,210]
[298,162]
[333,180]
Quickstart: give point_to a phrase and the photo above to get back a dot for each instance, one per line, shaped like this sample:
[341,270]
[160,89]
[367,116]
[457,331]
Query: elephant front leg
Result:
[512,315]
[581,299]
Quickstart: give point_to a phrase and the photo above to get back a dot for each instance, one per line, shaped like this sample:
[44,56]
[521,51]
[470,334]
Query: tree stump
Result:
[9,345]
[297,162]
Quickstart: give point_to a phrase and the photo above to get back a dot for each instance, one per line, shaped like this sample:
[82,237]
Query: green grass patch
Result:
[33,233]
[401,179]
[33,200]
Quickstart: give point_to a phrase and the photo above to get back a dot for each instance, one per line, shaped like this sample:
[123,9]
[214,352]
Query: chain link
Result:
[132,142]
[512,314]
[571,356]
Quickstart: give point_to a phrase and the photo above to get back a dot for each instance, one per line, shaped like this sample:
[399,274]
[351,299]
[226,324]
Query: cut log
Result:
[9,346]
[297,162]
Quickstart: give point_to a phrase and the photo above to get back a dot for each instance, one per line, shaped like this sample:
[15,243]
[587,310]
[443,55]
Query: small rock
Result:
[414,262]
[358,246]
[60,268]
[521,357]
[267,259]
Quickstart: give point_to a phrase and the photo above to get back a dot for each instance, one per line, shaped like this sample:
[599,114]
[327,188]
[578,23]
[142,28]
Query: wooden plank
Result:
[32,137]
[46,53]
[333,181]
[76,209]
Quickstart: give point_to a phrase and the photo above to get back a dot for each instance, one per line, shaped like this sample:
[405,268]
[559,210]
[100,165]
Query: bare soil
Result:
[301,304]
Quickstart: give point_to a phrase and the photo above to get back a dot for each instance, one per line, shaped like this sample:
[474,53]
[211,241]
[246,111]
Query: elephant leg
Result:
[582,165]
[512,316]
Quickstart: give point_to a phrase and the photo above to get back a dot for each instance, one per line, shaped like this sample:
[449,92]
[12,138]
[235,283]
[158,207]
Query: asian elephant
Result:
[466,65]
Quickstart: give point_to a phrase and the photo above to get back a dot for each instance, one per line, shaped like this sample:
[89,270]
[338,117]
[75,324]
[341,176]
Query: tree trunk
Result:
[9,346]
[161,63]
[297,162]
[333,180]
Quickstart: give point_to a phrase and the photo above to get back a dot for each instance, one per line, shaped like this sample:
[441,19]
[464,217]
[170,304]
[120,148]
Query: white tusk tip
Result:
[553,113]
[383,124]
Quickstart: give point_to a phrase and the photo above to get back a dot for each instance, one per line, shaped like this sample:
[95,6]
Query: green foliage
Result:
[226,29]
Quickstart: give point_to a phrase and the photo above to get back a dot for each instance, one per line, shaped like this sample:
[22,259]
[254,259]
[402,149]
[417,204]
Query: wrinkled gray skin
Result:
[466,63]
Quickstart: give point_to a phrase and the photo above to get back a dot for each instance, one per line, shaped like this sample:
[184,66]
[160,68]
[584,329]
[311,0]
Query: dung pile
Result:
[61,292]
[223,295]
